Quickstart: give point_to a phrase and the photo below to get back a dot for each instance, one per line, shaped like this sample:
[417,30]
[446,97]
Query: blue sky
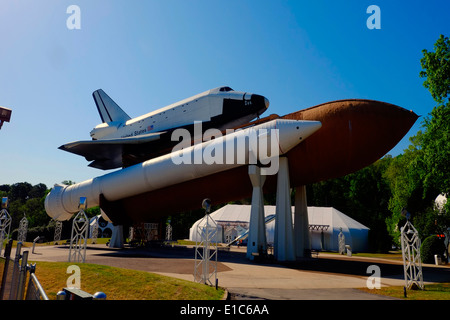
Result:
[148,54]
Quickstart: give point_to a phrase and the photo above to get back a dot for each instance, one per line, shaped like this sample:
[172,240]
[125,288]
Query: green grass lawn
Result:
[123,284]
[435,291]
[391,255]
[119,283]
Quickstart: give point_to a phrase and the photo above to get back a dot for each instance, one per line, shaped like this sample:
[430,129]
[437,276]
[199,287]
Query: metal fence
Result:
[16,271]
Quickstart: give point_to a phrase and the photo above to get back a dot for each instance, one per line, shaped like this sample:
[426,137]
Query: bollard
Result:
[61,295]
[99,296]
[437,259]
[34,243]
[349,250]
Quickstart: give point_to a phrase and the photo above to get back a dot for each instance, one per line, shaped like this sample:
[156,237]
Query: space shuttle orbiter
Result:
[122,141]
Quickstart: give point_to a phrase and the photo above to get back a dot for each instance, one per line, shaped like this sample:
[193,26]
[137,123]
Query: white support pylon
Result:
[301,223]
[284,247]
[257,230]
[117,237]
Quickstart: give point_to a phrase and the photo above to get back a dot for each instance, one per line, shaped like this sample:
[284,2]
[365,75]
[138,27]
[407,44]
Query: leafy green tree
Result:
[436,138]
[404,178]
[421,173]
[38,191]
[363,195]
[436,149]
[436,71]
[20,191]
[5,188]
[92,212]
[35,212]
[26,200]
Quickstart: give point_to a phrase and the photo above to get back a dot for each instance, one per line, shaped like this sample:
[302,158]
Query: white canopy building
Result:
[356,234]
[325,224]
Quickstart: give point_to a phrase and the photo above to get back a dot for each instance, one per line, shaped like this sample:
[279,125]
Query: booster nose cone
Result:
[54,205]
[292,133]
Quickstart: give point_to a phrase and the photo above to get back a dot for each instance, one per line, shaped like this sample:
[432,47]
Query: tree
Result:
[38,191]
[363,195]
[436,138]
[437,70]
[421,173]
[404,178]
[436,149]
[26,200]
[20,191]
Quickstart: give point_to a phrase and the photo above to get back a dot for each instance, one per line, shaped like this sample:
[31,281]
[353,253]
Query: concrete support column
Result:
[257,230]
[284,233]
[116,237]
[301,224]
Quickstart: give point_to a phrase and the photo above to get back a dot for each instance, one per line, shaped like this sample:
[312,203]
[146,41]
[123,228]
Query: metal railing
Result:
[15,273]
[34,288]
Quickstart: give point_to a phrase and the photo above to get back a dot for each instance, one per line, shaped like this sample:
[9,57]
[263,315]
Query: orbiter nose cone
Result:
[266,102]
[259,101]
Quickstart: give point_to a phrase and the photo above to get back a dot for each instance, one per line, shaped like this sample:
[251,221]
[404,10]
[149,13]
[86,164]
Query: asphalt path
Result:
[325,277]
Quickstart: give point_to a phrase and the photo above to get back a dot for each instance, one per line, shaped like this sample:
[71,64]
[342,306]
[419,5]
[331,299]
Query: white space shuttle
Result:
[121,141]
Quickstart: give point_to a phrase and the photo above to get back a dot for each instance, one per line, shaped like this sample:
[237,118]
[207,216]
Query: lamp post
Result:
[206,248]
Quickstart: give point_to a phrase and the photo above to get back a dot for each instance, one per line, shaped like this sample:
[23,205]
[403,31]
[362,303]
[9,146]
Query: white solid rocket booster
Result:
[261,143]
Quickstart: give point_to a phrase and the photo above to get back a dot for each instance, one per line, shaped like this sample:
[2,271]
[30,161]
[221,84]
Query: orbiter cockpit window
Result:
[225,89]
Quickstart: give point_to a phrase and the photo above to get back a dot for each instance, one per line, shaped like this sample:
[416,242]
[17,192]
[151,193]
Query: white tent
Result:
[326,238]
[232,221]
[325,224]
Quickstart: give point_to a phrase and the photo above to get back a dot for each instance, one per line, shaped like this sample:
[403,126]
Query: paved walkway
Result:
[330,277]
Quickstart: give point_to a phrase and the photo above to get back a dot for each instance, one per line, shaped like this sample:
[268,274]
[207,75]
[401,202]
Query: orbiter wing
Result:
[107,154]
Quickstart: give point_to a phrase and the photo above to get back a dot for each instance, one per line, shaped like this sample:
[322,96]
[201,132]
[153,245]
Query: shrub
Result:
[430,246]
